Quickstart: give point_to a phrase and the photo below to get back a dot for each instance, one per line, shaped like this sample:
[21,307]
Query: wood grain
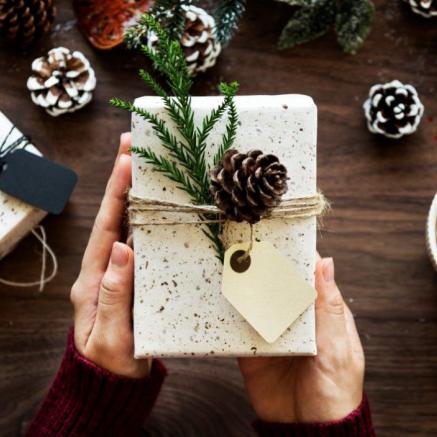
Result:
[380,191]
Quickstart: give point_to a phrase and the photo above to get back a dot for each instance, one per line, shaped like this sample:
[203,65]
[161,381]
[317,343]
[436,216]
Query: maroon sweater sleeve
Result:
[86,400]
[356,424]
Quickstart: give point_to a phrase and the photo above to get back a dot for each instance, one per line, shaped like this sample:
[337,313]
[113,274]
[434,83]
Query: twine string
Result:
[43,279]
[246,254]
[141,211]
[5,148]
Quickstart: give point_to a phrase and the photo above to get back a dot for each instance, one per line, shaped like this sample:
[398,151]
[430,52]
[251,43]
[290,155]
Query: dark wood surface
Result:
[380,191]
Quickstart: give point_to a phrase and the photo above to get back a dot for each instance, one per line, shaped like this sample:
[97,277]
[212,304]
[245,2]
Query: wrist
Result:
[112,355]
[358,424]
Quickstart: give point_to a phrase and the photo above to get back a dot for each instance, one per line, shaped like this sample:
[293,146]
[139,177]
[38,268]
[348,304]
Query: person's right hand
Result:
[317,389]
[102,294]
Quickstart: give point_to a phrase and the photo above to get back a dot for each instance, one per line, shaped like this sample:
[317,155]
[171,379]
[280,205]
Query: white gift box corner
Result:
[17,218]
[179,310]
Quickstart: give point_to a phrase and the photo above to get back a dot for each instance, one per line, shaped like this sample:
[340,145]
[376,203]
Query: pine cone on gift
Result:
[393,109]
[23,21]
[426,8]
[246,186]
[61,81]
[198,41]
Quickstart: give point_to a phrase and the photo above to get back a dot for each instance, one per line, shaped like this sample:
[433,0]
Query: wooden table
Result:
[380,192]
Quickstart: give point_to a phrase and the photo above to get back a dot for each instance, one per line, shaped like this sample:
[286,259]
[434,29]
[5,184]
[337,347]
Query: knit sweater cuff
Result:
[85,399]
[356,424]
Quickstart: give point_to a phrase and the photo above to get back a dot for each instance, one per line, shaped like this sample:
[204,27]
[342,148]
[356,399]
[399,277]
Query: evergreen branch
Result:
[186,162]
[168,140]
[170,169]
[153,84]
[208,123]
[231,131]
[227,15]
[213,232]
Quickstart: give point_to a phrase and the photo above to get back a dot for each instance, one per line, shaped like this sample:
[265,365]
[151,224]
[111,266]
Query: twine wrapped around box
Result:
[293,208]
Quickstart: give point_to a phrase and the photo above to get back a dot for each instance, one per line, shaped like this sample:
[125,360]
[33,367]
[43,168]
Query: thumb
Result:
[330,310]
[116,288]
[329,298]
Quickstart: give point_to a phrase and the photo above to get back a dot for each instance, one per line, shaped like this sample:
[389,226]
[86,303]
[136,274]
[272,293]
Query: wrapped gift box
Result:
[179,309]
[17,218]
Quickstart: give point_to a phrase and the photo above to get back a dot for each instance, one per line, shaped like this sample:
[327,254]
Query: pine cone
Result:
[61,81]
[393,109]
[23,21]
[426,8]
[198,40]
[246,186]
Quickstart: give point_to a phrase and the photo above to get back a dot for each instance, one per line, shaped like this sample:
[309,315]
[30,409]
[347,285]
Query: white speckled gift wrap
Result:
[17,218]
[178,307]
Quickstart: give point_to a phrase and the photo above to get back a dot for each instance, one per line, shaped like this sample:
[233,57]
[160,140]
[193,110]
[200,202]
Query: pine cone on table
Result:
[426,8]
[61,81]
[198,41]
[393,109]
[246,186]
[23,21]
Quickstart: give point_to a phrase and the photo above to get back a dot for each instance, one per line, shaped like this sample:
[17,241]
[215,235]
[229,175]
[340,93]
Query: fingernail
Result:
[119,255]
[124,136]
[328,269]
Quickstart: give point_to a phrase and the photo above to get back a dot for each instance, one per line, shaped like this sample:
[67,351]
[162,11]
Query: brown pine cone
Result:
[246,186]
[62,81]
[23,21]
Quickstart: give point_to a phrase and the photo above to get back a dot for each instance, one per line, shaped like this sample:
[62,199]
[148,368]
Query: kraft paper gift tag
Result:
[265,288]
[179,309]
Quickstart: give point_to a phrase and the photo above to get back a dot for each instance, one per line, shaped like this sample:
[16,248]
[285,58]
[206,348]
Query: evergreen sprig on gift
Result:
[351,20]
[186,164]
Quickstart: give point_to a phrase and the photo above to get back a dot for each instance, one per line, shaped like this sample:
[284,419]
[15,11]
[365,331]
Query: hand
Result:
[317,389]
[102,294]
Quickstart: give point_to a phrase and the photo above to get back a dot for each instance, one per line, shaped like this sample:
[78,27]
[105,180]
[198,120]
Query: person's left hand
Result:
[102,294]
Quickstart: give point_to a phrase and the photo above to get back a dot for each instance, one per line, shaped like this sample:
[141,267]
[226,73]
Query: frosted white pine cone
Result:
[198,40]
[62,81]
[426,8]
[393,109]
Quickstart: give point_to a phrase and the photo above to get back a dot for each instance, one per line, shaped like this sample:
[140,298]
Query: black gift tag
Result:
[36,180]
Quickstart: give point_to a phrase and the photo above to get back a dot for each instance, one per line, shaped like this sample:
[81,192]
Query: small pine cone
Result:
[23,21]
[61,81]
[393,109]
[246,186]
[426,8]
[198,40]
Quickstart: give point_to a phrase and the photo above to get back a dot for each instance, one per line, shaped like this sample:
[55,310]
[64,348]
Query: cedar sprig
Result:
[186,163]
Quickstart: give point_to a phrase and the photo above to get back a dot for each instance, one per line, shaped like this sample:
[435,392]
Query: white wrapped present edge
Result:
[17,218]
[179,310]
